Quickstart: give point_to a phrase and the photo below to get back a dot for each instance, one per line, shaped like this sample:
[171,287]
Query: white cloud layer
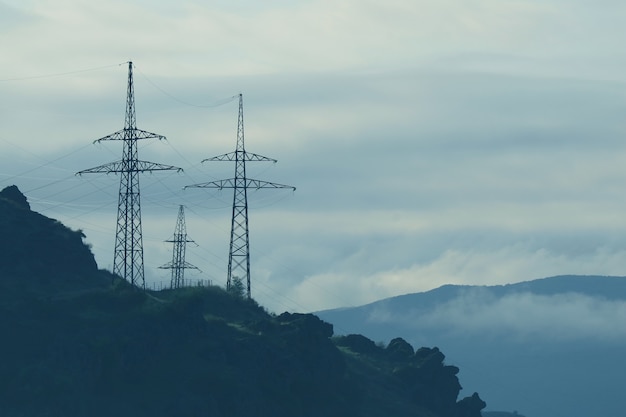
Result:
[520,317]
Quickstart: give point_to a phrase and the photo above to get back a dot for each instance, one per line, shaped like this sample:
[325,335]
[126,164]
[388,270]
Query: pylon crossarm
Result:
[122,166]
[244,156]
[233,183]
[248,156]
[187,265]
[250,183]
[179,241]
[153,166]
[171,265]
[214,184]
[143,134]
[226,157]
[126,134]
[106,168]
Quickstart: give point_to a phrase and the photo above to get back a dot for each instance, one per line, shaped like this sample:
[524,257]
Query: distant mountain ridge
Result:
[548,347]
[609,287]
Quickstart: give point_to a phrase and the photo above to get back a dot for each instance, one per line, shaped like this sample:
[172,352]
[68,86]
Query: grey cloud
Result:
[12,18]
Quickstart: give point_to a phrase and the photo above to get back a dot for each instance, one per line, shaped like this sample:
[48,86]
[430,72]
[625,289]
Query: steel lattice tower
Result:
[128,258]
[239,254]
[178,263]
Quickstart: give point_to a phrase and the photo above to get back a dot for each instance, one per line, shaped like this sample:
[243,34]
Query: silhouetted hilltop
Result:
[77,345]
[39,255]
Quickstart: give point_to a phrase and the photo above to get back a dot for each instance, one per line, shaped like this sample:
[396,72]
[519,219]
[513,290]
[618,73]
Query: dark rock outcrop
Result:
[470,406]
[399,349]
[422,374]
[39,254]
[15,196]
[359,344]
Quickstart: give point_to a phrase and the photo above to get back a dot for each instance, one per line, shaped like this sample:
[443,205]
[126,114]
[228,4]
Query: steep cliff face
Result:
[39,254]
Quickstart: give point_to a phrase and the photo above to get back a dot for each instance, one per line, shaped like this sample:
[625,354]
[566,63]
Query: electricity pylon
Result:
[239,254]
[179,240]
[128,259]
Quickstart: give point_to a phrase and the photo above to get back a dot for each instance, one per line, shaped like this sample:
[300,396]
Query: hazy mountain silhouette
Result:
[77,343]
[550,347]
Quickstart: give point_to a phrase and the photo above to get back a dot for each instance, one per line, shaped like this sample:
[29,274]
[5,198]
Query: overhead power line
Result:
[58,74]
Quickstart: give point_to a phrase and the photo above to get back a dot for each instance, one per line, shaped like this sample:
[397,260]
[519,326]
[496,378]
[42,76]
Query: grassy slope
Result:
[195,351]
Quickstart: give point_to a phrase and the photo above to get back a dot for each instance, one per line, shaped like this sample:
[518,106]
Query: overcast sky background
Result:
[431,142]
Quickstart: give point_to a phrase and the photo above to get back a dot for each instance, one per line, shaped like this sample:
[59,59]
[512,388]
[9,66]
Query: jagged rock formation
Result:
[421,374]
[39,255]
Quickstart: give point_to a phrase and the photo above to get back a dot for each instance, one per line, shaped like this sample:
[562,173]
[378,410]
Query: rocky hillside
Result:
[39,255]
[78,343]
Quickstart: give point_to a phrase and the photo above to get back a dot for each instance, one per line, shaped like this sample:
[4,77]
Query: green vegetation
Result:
[237,287]
[74,344]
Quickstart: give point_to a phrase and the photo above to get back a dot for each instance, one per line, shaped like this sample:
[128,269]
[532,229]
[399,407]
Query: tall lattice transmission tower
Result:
[179,241]
[239,254]
[128,259]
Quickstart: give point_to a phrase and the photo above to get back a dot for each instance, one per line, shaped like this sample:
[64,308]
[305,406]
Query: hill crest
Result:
[83,345]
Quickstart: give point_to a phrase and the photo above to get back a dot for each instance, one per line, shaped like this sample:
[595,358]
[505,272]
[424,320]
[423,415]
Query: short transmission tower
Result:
[239,254]
[128,259]
[179,240]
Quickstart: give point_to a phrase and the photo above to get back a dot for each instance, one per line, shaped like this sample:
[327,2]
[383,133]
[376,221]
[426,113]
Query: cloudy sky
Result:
[431,142]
